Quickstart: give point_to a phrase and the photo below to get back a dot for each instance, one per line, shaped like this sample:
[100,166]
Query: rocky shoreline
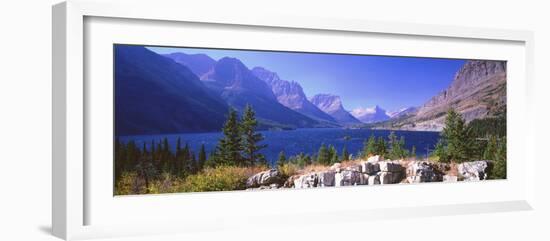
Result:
[373,171]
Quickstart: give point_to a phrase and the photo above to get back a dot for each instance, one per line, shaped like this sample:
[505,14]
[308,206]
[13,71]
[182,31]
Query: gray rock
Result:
[390,177]
[264,178]
[308,180]
[473,171]
[370,167]
[347,178]
[326,178]
[290,181]
[374,180]
[356,168]
[414,179]
[390,166]
[315,179]
[422,171]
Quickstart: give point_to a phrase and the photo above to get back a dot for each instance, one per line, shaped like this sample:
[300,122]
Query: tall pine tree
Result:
[369,147]
[250,138]
[282,159]
[202,157]
[230,147]
[457,137]
[345,154]
[333,154]
[323,157]
[381,148]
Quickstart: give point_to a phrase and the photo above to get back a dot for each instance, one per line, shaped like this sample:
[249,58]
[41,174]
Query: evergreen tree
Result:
[132,156]
[250,138]
[413,152]
[202,157]
[441,152]
[147,171]
[345,154]
[153,151]
[282,159]
[144,149]
[120,158]
[229,147]
[381,146]
[369,147]
[499,167]
[491,149]
[306,159]
[323,157]
[193,163]
[458,138]
[177,166]
[213,159]
[397,147]
[187,160]
[394,146]
[333,154]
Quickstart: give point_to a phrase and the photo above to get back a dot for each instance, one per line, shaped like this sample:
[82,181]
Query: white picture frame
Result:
[73,191]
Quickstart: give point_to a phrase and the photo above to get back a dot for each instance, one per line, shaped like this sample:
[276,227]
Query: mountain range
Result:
[154,95]
[157,94]
[291,95]
[180,92]
[478,90]
[332,105]
[288,93]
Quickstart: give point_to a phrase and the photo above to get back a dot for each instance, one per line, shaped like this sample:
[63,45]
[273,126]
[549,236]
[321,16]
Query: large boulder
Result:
[265,178]
[326,178]
[306,181]
[356,168]
[290,181]
[374,180]
[390,166]
[473,171]
[370,168]
[315,179]
[363,179]
[347,178]
[390,177]
[422,171]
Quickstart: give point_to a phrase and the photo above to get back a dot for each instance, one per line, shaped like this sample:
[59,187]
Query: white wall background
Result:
[25,119]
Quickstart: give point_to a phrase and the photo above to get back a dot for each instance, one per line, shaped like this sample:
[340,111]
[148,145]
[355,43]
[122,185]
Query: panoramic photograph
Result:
[192,119]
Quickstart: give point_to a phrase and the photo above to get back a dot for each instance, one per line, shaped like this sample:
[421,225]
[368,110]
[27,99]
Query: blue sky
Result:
[361,81]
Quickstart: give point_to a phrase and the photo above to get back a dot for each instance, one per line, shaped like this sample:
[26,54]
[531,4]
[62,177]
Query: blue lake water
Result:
[292,142]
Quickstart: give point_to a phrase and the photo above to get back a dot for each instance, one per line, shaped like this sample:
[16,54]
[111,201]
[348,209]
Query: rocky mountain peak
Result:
[199,64]
[478,90]
[291,95]
[327,102]
[370,115]
[332,105]
[473,73]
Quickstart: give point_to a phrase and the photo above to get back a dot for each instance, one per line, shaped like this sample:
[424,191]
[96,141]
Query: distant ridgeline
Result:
[181,93]
[478,91]
[175,93]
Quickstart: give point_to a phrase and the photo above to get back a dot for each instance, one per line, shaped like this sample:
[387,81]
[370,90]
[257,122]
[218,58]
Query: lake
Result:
[292,142]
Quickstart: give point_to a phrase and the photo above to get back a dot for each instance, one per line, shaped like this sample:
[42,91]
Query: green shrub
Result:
[222,178]
[127,184]
[288,169]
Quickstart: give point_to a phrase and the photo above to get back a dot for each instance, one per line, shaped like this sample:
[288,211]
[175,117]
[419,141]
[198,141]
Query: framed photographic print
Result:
[171,113]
